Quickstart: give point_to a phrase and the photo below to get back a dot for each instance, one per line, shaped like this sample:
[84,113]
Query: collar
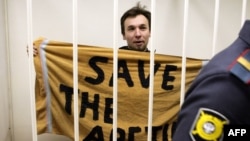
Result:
[245,32]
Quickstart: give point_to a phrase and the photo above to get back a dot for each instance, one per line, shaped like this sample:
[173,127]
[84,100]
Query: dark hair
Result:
[133,12]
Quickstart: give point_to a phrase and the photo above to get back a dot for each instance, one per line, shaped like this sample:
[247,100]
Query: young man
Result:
[135,28]
[219,98]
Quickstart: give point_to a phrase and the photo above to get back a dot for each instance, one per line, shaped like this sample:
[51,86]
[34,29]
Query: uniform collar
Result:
[245,32]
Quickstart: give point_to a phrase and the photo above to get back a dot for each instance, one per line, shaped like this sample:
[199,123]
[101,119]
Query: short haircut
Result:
[133,12]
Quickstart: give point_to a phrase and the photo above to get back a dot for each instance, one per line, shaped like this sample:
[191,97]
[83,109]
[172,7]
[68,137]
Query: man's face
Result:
[137,32]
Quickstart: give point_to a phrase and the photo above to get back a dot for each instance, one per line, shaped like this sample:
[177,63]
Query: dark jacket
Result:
[220,95]
[127,48]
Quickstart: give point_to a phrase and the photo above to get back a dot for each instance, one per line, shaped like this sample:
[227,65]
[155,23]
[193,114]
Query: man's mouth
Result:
[138,43]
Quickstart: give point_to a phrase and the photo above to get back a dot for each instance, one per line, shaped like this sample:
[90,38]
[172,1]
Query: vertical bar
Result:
[183,67]
[151,77]
[31,72]
[115,66]
[42,54]
[8,70]
[216,21]
[75,71]
[244,9]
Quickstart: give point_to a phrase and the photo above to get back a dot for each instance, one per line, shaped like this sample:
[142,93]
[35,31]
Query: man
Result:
[135,28]
[220,95]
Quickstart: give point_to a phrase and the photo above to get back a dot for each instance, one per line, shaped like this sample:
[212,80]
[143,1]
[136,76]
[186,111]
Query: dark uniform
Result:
[219,96]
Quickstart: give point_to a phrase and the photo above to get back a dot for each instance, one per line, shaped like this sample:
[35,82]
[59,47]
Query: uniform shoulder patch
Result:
[208,125]
[241,67]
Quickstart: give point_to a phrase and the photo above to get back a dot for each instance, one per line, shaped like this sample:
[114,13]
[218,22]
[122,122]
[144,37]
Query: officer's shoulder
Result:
[240,67]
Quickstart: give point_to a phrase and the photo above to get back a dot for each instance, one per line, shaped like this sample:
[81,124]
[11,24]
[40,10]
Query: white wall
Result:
[53,19]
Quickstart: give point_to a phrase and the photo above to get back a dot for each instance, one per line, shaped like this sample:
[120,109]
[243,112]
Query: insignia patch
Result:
[241,68]
[208,125]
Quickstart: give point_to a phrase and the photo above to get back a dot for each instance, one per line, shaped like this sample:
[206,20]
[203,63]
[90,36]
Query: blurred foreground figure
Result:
[219,96]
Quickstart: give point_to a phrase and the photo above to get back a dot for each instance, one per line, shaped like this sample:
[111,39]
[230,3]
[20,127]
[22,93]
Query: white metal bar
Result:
[75,71]
[244,10]
[216,21]
[183,70]
[115,66]
[10,104]
[43,59]
[31,69]
[151,77]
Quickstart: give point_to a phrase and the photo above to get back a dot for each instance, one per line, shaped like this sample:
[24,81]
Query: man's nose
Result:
[137,32]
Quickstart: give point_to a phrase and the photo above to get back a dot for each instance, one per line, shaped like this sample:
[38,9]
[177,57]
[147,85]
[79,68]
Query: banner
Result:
[54,91]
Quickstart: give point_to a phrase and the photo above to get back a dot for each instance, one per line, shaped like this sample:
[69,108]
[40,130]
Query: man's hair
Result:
[133,12]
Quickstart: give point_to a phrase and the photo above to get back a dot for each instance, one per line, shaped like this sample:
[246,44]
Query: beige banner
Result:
[54,91]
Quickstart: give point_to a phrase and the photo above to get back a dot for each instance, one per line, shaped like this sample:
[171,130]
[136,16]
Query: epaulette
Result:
[241,67]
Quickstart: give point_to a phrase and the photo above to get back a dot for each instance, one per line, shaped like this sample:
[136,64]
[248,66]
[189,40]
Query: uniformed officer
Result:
[220,95]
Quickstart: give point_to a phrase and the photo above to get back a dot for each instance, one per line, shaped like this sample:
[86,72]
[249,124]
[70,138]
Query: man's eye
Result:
[143,28]
[130,29]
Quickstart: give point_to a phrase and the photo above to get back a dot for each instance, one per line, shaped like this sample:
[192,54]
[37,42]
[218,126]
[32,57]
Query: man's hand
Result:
[35,51]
